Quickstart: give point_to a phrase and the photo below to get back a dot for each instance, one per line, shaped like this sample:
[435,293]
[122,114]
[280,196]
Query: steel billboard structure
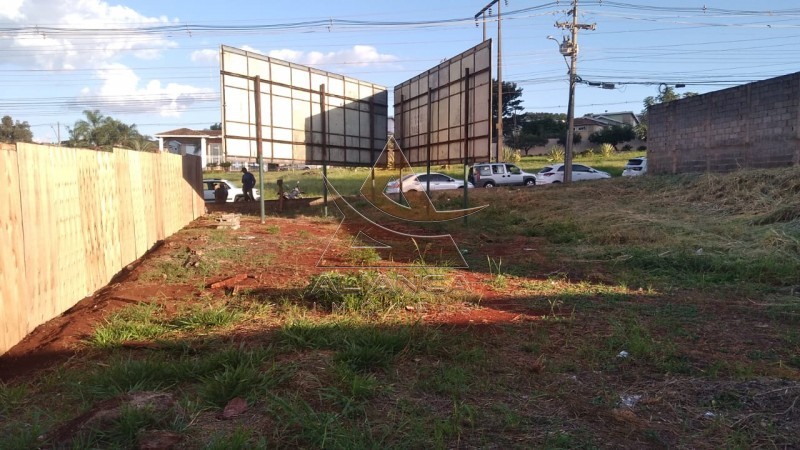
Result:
[443,115]
[295,113]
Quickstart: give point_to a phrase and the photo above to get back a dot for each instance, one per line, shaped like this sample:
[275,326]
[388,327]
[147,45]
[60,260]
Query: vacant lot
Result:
[624,313]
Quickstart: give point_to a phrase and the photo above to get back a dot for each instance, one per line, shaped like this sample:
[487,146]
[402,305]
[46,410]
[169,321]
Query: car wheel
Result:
[554,182]
[238,198]
[530,182]
[488,184]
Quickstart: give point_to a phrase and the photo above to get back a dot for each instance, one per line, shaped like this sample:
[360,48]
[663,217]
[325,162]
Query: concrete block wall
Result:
[756,125]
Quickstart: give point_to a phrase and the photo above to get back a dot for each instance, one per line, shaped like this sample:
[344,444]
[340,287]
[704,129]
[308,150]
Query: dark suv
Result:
[499,174]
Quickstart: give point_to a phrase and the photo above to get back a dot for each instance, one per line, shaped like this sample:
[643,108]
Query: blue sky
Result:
[154,63]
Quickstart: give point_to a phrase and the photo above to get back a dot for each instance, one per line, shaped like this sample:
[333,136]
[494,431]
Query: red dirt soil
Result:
[62,337]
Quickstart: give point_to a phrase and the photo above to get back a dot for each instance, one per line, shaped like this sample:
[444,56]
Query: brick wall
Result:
[750,126]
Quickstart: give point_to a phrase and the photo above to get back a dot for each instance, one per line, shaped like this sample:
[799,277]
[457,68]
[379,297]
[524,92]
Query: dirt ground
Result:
[670,408]
[61,338]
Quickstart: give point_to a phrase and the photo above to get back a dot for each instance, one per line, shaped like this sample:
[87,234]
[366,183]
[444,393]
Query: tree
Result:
[613,135]
[667,94]
[511,104]
[536,128]
[215,126]
[12,132]
[99,131]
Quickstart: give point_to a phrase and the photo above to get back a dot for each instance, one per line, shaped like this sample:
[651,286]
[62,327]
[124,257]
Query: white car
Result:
[235,194]
[419,183]
[635,167]
[554,173]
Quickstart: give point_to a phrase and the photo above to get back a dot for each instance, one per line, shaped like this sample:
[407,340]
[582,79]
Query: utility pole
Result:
[571,48]
[499,70]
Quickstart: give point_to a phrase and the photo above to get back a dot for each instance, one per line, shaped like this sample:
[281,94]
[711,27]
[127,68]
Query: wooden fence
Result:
[70,219]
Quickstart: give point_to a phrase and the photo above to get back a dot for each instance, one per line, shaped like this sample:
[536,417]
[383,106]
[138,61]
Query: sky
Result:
[155,63]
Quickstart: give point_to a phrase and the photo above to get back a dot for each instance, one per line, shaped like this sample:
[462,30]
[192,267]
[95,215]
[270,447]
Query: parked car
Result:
[635,167]
[554,173]
[419,183]
[294,167]
[235,194]
[499,174]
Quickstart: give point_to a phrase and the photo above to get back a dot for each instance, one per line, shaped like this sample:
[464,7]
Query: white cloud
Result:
[121,92]
[205,55]
[11,9]
[51,49]
[359,55]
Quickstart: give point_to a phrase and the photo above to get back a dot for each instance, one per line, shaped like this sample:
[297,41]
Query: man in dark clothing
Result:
[248,183]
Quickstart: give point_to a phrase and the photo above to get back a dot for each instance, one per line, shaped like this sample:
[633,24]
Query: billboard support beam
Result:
[259,156]
[428,188]
[466,139]
[324,118]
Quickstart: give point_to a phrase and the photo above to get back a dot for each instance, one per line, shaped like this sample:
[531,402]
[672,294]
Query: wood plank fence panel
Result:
[70,219]
[140,217]
[13,286]
[65,203]
[108,204]
[91,219]
[37,220]
[127,214]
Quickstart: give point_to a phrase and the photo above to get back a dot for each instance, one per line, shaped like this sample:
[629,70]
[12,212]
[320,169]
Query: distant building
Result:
[207,144]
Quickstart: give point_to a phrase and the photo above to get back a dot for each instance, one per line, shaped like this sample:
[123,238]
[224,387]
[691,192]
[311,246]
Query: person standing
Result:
[221,193]
[248,183]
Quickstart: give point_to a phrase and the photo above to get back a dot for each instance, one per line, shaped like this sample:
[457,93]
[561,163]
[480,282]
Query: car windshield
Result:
[634,162]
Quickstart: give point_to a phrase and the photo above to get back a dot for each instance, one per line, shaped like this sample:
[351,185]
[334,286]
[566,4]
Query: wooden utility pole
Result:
[570,48]
[498,150]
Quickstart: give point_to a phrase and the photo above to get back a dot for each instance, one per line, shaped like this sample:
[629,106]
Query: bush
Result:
[641,148]
[225,164]
[606,150]
[555,153]
[512,156]
[588,153]
[627,148]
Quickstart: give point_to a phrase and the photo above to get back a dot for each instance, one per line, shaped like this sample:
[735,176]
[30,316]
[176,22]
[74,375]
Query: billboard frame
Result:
[431,94]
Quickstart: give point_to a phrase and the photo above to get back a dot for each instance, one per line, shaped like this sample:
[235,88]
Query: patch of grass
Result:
[239,439]
[123,431]
[302,426]
[204,317]
[360,348]
[359,256]
[498,280]
[273,229]
[632,336]
[561,232]
[368,292]
[692,268]
[219,371]
[180,268]
[11,396]
[451,381]
[138,322]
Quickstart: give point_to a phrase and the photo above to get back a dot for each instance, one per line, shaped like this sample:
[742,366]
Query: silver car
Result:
[500,174]
[419,183]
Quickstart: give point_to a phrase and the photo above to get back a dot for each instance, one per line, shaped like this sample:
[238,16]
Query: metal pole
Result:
[324,148]
[466,139]
[428,188]
[571,105]
[257,91]
[499,84]
[484,25]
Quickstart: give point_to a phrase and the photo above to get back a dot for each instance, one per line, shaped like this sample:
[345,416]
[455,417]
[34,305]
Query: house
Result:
[204,143]
[585,126]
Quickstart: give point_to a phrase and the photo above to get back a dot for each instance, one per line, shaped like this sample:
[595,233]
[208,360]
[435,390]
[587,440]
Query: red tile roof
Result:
[185,132]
